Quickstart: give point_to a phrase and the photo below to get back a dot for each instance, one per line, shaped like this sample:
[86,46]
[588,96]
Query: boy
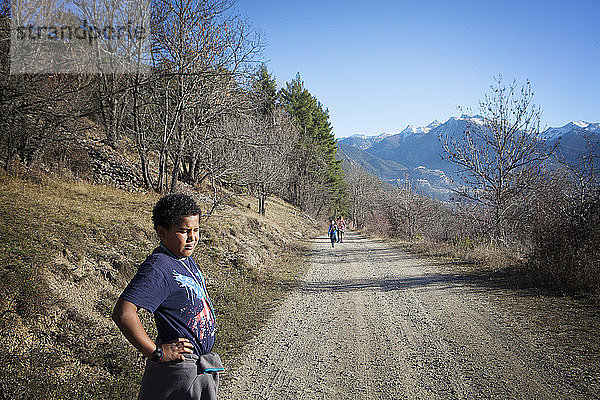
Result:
[169,284]
[332,232]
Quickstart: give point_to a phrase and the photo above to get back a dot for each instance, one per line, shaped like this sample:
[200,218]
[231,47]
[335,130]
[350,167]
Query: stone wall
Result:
[111,168]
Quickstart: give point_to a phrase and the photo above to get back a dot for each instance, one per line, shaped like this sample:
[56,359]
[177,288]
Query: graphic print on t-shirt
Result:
[200,317]
[191,286]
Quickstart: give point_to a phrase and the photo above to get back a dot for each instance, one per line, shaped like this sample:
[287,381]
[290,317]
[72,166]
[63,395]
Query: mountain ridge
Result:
[416,147]
[410,129]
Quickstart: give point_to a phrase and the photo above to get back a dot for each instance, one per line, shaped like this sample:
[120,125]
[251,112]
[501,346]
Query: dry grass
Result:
[516,267]
[67,249]
[477,254]
[473,259]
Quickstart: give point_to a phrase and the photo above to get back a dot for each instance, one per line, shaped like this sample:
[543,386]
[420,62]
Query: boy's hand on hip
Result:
[175,350]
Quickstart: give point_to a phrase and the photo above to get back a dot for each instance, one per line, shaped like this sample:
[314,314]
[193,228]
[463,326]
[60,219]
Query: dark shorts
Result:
[178,380]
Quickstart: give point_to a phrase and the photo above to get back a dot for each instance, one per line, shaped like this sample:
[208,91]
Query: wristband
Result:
[157,354]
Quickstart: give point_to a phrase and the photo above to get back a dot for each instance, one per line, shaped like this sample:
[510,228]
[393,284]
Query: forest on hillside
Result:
[198,108]
[195,111]
[196,105]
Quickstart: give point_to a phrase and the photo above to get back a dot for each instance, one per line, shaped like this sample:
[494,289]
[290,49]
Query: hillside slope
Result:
[385,169]
[67,250]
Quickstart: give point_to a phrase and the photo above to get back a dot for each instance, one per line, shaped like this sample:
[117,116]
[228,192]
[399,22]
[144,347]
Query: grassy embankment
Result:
[509,267]
[67,249]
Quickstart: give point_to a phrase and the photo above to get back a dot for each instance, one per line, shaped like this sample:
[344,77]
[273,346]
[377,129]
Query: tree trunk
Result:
[140,136]
[162,169]
[262,196]
[178,134]
[175,172]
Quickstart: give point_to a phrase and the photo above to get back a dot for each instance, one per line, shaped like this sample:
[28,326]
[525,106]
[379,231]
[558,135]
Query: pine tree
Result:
[264,89]
[319,168]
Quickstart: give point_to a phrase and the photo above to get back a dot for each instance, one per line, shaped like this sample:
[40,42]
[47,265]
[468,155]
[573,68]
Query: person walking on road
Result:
[332,232]
[341,227]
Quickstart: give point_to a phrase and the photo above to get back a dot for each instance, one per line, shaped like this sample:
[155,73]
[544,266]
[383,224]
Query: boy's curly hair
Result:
[170,209]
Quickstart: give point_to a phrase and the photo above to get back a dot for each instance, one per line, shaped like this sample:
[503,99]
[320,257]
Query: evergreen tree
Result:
[321,184]
[264,89]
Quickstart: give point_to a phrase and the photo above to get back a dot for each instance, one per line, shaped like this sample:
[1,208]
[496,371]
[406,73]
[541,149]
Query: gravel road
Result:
[370,321]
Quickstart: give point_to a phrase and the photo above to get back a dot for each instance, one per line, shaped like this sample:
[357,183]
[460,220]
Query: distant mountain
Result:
[414,130]
[415,152]
[574,139]
[384,169]
[578,127]
[363,142]
[432,183]
[419,146]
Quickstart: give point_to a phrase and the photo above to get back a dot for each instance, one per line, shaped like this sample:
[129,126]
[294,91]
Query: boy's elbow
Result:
[117,312]
[120,311]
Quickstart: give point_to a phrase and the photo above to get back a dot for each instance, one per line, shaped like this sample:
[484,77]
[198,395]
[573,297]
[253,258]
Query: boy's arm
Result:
[125,315]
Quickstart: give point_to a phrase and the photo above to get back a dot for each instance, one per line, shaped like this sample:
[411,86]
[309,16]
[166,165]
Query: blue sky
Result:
[381,65]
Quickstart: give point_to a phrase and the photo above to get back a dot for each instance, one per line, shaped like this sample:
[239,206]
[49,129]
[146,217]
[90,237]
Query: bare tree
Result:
[583,173]
[201,50]
[364,189]
[37,110]
[268,160]
[501,154]
[120,63]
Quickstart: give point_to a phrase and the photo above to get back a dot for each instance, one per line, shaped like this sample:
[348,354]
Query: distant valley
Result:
[413,156]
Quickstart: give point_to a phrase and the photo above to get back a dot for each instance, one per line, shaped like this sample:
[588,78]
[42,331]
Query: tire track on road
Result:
[372,322]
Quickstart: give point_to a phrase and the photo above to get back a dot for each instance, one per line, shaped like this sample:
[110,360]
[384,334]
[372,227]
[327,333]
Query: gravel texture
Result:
[370,321]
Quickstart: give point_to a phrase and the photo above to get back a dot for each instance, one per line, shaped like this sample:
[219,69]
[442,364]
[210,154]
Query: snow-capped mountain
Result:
[577,127]
[419,130]
[418,151]
[363,142]
[422,147]
[574,140]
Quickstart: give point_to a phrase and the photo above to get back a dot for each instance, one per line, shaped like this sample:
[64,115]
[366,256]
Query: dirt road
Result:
[372,322]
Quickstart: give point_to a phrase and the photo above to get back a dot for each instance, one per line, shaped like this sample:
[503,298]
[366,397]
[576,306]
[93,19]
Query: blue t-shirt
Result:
[332,230]
[174,290]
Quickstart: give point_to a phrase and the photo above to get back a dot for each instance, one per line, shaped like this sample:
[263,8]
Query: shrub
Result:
[566,252]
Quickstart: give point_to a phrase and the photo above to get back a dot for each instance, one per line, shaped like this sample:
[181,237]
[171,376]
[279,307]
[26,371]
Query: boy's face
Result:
[181,238]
